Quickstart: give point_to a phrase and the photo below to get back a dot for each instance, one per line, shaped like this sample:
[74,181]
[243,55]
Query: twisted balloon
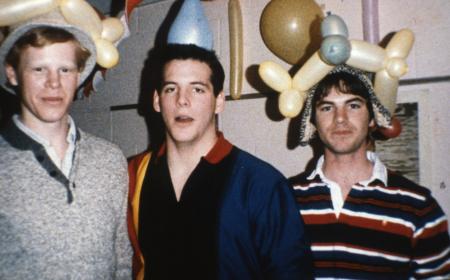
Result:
[389,64]
[77,12]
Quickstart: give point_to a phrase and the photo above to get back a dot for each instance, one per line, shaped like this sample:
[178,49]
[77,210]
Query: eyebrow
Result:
[200,83]
[192,83]
[355,99]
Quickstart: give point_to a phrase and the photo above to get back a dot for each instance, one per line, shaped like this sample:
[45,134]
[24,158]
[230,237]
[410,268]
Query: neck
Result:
[182,158]
[347,169]
[189,152]
[55,133]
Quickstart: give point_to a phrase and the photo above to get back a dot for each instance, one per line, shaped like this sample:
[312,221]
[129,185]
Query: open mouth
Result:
[183,119]
[52,100]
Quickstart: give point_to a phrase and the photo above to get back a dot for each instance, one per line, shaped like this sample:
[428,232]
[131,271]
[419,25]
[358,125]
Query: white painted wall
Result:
[253,124]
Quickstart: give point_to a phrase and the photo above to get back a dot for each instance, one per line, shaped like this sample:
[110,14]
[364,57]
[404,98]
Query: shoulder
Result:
[299,179]
[254,166]
[3,142]
[135,160]
[100,149]
[255,177]
[104,161]
[8,151]
[96,142]
[6,132]
[412,194]
[400,182]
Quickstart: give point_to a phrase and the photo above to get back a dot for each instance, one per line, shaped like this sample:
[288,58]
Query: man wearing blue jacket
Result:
[202,208]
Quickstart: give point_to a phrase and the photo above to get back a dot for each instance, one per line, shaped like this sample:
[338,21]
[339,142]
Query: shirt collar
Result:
[221,149]
[379,170]
[71,135]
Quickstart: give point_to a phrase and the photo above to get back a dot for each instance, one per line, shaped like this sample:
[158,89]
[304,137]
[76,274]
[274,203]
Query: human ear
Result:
[11,75]
[156,105]
[220,103]
[372,124]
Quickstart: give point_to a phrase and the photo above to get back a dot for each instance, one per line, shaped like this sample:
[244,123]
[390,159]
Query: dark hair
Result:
[44,36]
[343,82]
[167,53]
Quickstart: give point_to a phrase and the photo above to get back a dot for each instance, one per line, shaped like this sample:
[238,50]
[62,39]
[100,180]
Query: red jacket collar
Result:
[220,150]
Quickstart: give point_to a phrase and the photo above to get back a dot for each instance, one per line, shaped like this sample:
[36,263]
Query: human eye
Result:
[355,105]
[65,70]
[198,90]
[168,89]
[325,108]
[37,69]
[68,69]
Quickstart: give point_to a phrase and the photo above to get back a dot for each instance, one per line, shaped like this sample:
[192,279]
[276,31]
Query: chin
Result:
[51,118]
[344,149]
[182,137]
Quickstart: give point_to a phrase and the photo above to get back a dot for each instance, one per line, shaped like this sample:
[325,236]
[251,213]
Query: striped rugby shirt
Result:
[387,228]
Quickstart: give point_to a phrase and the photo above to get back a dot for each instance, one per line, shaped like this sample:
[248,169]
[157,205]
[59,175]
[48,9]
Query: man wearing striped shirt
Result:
[364,221]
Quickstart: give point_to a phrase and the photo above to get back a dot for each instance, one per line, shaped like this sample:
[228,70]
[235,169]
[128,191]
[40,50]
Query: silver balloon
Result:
[333,25]
[191,26]
[335,49]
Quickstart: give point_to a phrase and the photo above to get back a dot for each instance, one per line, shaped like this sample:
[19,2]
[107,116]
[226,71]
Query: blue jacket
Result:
[260,233]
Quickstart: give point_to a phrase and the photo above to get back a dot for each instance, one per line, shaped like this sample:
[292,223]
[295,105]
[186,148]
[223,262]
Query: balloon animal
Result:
[335,48]
[389,64]
[77,12]
[293,91]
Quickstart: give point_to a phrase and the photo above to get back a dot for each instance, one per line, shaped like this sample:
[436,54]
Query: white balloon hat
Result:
[74,16]
[388,64]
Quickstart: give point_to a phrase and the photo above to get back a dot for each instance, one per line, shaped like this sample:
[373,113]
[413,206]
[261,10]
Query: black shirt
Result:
[179,238]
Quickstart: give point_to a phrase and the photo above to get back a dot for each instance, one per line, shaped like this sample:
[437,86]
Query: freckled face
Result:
[187,102]
[47,78]
[342,122]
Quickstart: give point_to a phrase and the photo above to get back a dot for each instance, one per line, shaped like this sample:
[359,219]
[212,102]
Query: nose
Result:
[340,115]
[183,98]
[53,79]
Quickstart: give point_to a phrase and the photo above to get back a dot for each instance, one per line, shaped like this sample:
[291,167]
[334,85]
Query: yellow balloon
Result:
[290,28]
[12,12]
[366,56]
[81,14]
[290,102]
[385,88]
[107,53]
[396,67]
[311,73]
[400,44]
[112,29]
[236,48]
[275,76]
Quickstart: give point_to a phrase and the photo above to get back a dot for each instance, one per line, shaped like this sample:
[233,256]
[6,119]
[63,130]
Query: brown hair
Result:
[344,83]
[43,36]
[170,52]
